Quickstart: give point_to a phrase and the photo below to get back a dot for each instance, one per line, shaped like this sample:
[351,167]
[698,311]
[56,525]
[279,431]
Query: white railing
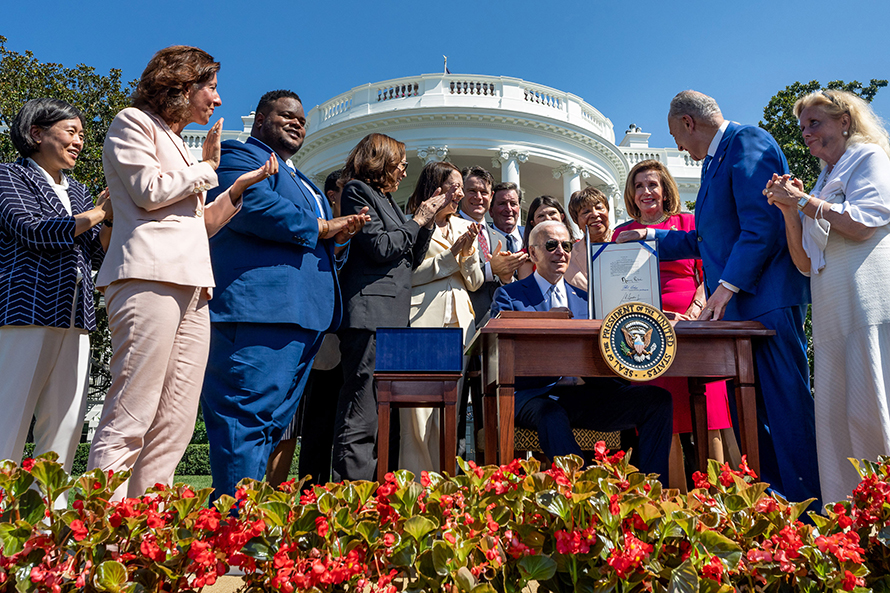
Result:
[460,91]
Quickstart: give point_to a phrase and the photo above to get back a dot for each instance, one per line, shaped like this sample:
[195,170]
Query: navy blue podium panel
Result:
[419,349]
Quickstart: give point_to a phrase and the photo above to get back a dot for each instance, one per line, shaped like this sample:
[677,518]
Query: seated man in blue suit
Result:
[276,294]
[749,275]
[553,405]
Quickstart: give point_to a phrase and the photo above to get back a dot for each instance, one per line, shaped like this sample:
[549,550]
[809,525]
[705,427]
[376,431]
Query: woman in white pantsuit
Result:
[49,243]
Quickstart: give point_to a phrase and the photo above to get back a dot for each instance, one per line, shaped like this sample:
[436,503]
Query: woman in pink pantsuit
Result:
[156,274]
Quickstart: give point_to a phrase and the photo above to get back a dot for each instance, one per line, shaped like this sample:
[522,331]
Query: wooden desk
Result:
[529,347]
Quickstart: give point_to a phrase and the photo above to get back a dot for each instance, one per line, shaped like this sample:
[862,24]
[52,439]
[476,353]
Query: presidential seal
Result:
[638,342]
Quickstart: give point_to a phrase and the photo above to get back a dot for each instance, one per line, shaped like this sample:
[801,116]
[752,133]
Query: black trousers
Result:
[355,429]
[317,415]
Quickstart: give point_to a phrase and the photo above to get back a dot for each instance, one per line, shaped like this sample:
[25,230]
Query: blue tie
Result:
[511,243]
[704,167]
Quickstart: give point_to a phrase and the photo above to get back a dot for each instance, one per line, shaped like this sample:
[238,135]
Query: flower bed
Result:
[601,528]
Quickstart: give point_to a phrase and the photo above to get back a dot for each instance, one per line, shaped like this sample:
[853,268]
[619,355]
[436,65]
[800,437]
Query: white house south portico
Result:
[547,141]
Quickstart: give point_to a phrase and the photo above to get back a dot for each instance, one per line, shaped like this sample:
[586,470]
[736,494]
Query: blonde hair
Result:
[865,126]
[670,193]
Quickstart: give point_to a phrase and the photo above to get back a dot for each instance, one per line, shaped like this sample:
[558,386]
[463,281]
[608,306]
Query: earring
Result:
[846,133]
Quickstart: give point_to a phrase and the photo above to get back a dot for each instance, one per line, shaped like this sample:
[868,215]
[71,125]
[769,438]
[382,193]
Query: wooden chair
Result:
[526,440]
[417,390]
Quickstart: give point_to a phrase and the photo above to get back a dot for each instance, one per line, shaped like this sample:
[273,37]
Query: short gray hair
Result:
[541,227]
[697,106]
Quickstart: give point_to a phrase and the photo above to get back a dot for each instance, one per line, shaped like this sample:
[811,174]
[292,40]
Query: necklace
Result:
[660,220]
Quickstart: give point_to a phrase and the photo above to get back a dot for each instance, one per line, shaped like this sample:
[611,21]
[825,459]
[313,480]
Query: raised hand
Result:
[428,209]
[211,150]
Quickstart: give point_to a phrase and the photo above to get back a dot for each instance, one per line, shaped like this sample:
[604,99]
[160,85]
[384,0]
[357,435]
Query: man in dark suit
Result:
[553,405]
[506,205]
[498,265]
[276,295]
[749,275]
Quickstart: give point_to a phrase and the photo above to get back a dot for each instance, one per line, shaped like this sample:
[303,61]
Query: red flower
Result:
[27,464]
[390,539]
[851,581]
[713,570]
[425,479]
[701,480]
[79,530]
[321,526]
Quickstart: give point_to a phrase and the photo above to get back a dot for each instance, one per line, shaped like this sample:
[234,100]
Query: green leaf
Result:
[442,555]
[326,502]
[404,554]
[32,508]
[419,526]
[537,568]
[465,580]
[369,530]
[110,576]
[258,549]
[51,476]
[224,504]
[364,490]
[184,506]
[797,509]
[684,579]
[721,546]
[13,537]
[276,512]
[753,493]
[734,503]
[555,503]
[484,588]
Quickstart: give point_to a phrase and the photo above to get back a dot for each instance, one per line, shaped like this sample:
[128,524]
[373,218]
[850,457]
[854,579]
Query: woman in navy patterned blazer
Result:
[49,243]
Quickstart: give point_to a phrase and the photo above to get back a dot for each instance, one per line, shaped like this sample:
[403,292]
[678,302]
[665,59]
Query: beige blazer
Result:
[161,223]
[441,278]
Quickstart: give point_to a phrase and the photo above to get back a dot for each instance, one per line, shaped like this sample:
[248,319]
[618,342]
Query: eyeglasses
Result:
[552,244]
[404,166]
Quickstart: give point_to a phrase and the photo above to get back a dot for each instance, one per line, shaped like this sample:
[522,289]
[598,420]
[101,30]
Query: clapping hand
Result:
[784,192]
[343,228]
[504,264]
[463,245]
[211,150]
[269,168]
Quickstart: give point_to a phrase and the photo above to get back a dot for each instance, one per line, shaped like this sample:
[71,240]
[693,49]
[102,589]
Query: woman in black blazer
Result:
[49,243]
[376,287]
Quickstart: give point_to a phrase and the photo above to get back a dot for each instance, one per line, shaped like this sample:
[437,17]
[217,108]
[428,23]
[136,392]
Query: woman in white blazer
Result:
[156,274]
[440,297]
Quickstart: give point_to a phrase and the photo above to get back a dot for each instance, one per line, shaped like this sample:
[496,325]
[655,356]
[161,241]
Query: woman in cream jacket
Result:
[439,298]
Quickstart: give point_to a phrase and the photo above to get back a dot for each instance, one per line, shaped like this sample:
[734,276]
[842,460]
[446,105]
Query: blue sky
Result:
[625,58]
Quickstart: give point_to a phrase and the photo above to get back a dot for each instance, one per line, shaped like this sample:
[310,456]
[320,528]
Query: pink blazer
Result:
[161,223]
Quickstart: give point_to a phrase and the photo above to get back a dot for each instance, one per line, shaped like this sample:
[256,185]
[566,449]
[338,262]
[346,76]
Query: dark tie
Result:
[511,244]
[704,167]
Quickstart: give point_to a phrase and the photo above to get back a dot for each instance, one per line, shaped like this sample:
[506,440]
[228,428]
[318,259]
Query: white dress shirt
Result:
[559,297]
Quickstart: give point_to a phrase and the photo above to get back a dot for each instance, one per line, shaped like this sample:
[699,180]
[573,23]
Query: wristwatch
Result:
[802,203]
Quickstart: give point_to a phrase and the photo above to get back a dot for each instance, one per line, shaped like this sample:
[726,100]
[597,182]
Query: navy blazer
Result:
[39,254]
[525,295]
[268,262]
[739,237]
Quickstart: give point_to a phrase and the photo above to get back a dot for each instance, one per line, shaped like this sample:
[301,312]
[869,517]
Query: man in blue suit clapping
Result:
[553,405]
[749,275]
[276,294]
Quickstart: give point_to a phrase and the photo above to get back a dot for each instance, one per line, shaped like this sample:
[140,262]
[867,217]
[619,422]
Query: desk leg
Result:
[746,404]
[490,425]
[449,442]
[699,406]
[383,411]
[506,404]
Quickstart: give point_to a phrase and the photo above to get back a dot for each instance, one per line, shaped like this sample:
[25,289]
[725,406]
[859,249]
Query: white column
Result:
[616,202]
[508,161]
[433,153]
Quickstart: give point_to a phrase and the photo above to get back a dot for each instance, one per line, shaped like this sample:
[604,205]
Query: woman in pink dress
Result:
[652,199]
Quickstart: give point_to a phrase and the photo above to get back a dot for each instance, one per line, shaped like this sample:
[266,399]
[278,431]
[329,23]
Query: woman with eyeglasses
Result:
[652,199]
[440,297]
[839,236]
[376,286]
[50,240]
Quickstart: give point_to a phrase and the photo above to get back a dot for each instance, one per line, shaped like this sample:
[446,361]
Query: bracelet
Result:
[107,222]
[324,227]
[698,304]
[342,244]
